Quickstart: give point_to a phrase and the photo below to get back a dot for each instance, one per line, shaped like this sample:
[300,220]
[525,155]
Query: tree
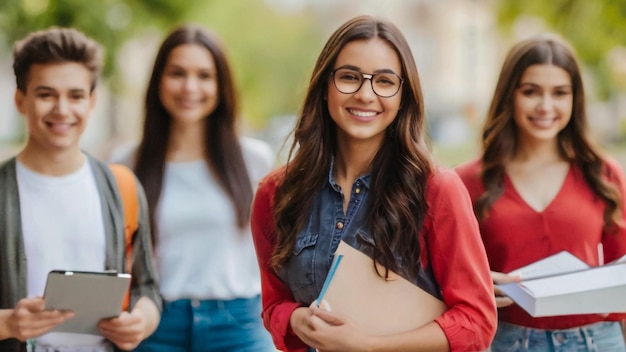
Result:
[594,28]
[271,51]
[111,22]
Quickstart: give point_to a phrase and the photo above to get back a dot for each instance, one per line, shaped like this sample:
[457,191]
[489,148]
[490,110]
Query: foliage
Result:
[593,27]
[271,51]
[111,22]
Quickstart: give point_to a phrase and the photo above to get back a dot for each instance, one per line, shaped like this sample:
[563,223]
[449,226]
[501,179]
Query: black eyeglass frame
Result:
[370,77]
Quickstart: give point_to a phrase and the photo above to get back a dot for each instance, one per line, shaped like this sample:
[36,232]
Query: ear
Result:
[19,97]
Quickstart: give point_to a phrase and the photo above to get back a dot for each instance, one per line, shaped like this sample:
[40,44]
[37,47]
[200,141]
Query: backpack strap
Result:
[127,186]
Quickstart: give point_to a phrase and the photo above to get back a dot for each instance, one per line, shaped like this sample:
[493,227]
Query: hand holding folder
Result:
[378,306]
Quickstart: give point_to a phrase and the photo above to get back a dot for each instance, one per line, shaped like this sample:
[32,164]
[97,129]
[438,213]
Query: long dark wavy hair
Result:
[222,149]
[499,135]
[400,168]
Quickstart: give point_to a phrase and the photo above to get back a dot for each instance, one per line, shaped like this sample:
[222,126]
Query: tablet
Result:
[91,295]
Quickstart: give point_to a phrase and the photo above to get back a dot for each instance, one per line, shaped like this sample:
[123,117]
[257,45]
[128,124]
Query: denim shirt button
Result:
[340,225]
[357,191]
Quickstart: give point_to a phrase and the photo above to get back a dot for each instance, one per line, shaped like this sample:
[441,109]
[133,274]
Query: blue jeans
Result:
[210,325]
[599,337]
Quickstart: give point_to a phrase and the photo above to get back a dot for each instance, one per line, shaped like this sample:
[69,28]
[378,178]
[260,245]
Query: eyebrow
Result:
[538,86]
[179,67]
[46,88]
[383,70]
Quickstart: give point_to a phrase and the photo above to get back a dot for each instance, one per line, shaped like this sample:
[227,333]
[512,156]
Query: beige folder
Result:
[377,305]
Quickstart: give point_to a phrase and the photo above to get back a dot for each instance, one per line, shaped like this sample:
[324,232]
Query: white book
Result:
[562,284]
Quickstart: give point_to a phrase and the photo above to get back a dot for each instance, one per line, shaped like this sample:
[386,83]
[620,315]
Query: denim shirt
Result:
[327,225]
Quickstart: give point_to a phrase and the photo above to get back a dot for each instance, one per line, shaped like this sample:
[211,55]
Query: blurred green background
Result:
[458,45]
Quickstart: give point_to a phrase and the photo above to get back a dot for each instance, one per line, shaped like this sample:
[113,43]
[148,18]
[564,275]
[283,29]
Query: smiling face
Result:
[56,104]
[363,116]
[188,87]
[543,103]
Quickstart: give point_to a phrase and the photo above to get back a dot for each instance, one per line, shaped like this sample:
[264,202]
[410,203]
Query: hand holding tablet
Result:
[92,296]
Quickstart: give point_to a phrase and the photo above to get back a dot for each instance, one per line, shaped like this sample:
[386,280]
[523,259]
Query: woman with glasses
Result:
[359,172]
[541,187]
[199,176]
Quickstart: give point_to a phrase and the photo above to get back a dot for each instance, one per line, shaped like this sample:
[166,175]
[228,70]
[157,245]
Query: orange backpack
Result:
[127,186]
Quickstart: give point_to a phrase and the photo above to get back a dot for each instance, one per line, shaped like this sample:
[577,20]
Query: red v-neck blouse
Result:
[516,235]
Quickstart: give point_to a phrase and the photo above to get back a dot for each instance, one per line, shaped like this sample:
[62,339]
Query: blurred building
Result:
[457,46]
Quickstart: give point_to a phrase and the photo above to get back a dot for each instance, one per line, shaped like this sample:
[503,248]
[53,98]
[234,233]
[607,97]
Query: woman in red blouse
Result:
[360,174]
[541,187]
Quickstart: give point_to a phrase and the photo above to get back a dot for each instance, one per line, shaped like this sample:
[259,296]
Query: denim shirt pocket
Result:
[298,272]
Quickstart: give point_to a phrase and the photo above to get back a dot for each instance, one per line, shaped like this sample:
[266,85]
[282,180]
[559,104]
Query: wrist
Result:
[5,331]
[149,313]
[371,343]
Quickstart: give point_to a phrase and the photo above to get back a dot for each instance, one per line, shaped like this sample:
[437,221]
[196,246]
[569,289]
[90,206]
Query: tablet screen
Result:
[91,295]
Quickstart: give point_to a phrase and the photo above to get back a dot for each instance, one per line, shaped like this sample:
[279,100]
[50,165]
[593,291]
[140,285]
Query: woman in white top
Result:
[199,177]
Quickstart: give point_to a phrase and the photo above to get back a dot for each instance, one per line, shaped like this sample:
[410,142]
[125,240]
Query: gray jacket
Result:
[13,262]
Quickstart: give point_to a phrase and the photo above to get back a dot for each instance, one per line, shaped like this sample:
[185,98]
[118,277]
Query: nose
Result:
[546,102]
[62,106]
[366,91]
[191,83]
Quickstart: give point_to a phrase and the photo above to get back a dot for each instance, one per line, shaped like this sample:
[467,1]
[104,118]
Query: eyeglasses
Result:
[384,84]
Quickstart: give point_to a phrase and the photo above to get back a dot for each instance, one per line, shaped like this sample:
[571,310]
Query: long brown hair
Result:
[222,149]
[400,168]
[499,135]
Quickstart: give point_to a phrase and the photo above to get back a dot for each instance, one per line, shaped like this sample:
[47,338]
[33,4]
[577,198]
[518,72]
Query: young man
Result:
[60,208]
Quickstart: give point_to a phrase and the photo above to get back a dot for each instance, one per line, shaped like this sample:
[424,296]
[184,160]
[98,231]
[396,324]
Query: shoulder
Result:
[614,171]
[470,174]
[613,165]
[124,154]
[97,165]
[446,194]
[469,170]
[7,165]
[254,145]
[443,180]
[8,176]
[105,177]
[271,181]
[263,202]
[259,157]
[256,148]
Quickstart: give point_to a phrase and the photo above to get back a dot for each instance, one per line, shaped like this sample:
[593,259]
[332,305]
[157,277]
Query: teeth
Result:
[543,122]
[60,127]
[362,113]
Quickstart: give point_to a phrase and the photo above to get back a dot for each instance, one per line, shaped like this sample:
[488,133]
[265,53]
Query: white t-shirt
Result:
[63,229]
[201,253]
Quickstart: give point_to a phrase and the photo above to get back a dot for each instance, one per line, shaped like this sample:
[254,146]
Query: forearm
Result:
[428,338]
[5,331]
[151,314]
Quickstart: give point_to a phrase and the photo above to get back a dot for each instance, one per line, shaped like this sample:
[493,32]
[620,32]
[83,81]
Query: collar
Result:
[363,179]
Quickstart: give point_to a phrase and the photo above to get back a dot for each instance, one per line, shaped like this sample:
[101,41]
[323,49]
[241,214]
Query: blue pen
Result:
[329,277]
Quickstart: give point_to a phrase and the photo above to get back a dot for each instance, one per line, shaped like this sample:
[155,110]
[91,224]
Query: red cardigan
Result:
[452,247]
[516,235]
